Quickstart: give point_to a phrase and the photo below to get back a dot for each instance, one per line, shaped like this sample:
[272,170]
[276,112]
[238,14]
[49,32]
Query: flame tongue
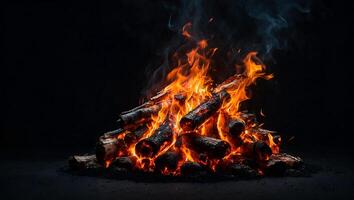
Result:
[190,103]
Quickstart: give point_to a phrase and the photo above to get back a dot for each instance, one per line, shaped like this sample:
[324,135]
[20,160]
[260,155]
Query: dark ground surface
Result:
[41,177]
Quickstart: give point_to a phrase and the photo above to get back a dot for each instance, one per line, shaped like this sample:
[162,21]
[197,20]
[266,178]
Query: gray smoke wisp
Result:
[234,26]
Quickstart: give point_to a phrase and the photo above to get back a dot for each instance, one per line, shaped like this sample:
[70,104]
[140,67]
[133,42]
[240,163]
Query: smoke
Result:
[236,26]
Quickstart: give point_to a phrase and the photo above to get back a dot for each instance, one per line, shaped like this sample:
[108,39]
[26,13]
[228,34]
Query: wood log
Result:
[180,98]
[239,170]
[134,136]
[263,134]
[277,139]
[108,148]
[232,82]
[191,169]
[257,150]
[135,117]
[152,101]
[236,127]
[168,160]
[249,118]
[84,162]
[202,112]
[142,112]
[161,137]
[279,163]
[122,164]
[113,133]
[212,147]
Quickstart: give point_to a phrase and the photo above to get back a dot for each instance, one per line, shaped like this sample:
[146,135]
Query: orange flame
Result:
[190,79]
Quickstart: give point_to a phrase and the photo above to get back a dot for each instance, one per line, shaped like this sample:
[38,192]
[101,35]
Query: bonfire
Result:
[194,126]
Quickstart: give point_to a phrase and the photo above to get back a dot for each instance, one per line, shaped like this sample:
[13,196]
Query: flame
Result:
[191,80]
[186,29]
[238,94]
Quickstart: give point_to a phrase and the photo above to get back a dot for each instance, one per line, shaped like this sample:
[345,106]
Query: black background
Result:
[69,68]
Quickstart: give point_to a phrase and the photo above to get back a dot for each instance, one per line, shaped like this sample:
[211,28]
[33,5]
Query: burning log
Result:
[249,118]
[137,116]
[134,136]
[231,82]
[153,100]
[191,169]
[236,127]
[240,170]
[277,139]
[143,112]
[202,112]
[122,165]
[258,150]
[168,160]
[150,146]
[264,132]
[212,147]
[84,163]
[109,145]
[108,148]
[180,98]
[266,135]
[113,133]
[279,163]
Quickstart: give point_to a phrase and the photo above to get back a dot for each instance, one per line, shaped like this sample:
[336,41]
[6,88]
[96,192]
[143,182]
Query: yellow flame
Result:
[191,80]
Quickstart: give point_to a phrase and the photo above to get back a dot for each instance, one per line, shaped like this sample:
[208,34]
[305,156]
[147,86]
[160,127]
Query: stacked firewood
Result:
[248,151]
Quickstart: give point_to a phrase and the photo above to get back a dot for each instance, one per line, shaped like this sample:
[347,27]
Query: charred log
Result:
[108,148]
[191,169]
[239,170]
[168,160]
[236,127]
[231,82]
[257,150]
[142,113]
[113,133]
[278,164]
[122,165]
[180,98]
[212,147]
[263,135]
[84,163]
[138,116]
[277,139]
[134,136]
[150,146]
[249,118]
[202,112]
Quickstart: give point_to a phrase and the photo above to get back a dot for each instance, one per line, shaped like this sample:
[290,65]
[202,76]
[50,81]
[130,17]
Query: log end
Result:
[192,169]
[221,150]
[107,149]
[168,160]
[187,124]
[236,127]
[262,150]
[237,169]
[278,164]
[146,148]
[122,165]
[84,163]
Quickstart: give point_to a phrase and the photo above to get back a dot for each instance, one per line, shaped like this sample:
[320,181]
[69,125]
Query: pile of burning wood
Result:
[193,126]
